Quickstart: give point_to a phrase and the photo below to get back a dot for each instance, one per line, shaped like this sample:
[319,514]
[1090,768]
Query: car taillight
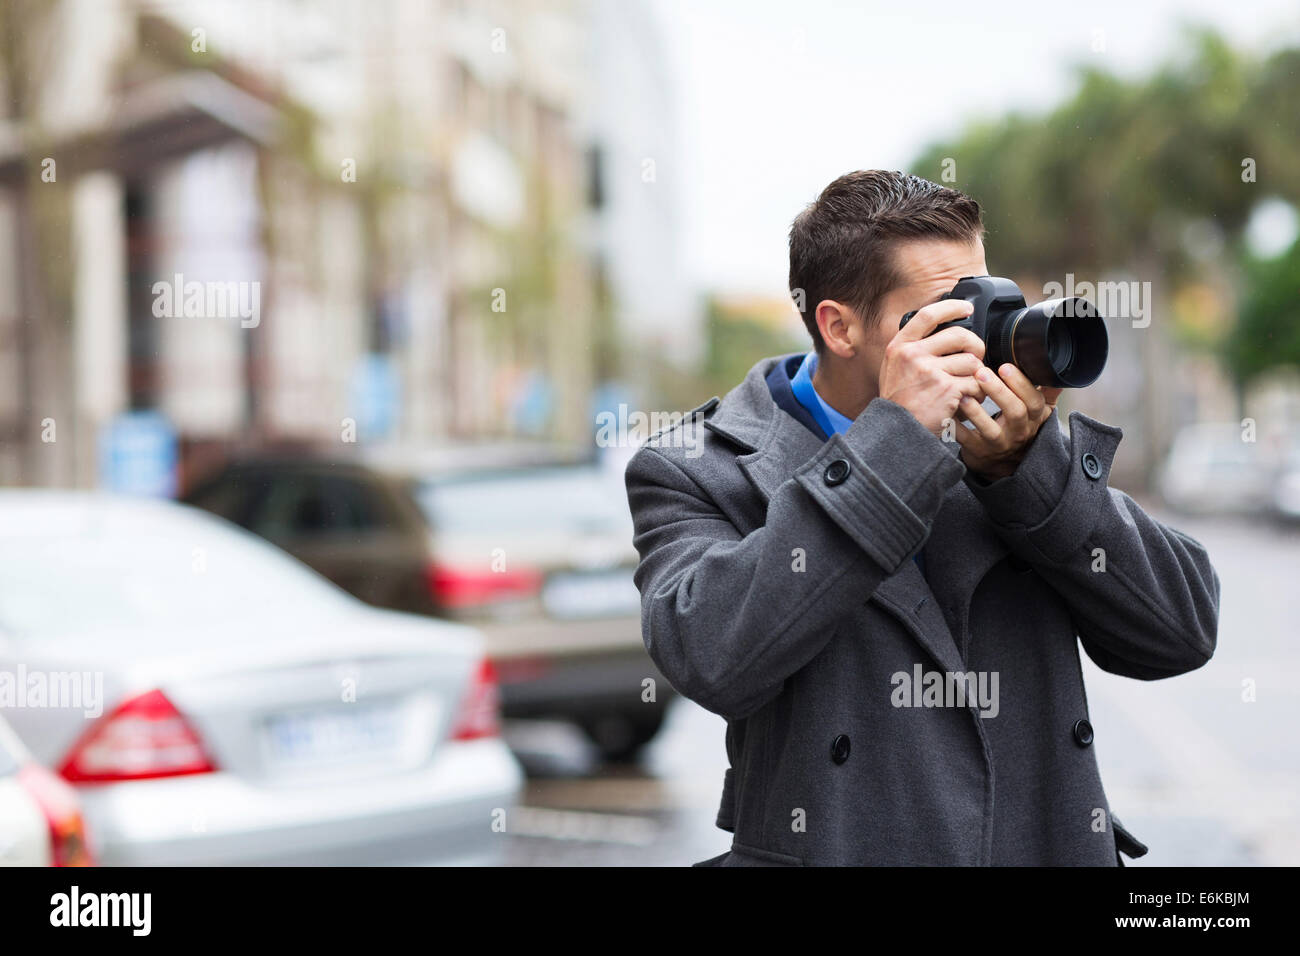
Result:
[480,712]
[58,802]
[145,737]
[463,588]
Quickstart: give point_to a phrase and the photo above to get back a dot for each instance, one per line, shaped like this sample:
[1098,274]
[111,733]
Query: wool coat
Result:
[881,714]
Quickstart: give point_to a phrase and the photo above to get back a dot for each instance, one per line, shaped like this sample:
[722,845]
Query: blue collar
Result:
[831,421]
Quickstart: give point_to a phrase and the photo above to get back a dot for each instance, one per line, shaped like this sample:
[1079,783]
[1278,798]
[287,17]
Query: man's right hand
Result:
[930,374]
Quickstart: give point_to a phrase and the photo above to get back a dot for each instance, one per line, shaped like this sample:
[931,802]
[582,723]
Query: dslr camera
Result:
[1060,343]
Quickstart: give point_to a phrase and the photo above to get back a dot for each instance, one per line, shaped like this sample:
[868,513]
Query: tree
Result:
[42,212]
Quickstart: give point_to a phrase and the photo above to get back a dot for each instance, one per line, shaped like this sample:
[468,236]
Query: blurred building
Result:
[636,185]
[284,222]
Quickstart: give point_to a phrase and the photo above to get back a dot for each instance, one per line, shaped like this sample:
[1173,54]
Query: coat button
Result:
[1082,733]
[840,748]
[1091,466]
[836,472]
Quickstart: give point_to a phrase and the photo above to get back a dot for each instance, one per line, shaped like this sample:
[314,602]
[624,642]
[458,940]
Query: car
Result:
[534,547]
[1212,469]
[215,702]
[1285,491]
[40,819]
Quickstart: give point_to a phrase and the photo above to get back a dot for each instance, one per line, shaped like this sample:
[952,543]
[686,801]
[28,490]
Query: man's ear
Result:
[839,326]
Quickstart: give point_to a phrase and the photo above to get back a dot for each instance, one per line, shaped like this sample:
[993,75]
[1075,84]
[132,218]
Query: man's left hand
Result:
[995,446]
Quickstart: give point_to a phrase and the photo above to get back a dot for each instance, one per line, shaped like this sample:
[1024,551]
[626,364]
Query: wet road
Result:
[657,813]
[1195,770]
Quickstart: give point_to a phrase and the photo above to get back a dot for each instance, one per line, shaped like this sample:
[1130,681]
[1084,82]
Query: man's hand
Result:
[928,374]
[996,445]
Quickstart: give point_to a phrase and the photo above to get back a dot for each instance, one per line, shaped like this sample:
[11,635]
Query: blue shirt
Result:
[828,419]
[831,421]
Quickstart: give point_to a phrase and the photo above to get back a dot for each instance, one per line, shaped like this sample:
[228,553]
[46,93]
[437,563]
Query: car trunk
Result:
[284,702]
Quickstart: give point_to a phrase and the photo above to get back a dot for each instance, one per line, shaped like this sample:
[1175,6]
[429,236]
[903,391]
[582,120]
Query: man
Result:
[888,620]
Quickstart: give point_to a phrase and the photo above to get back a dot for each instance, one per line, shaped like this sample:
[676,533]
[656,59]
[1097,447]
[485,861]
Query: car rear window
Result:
[542,499]
[146,573]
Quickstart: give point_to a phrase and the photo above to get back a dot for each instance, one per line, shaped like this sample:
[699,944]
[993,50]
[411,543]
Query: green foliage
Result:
[1267,334]
[1111,178]
[736,341]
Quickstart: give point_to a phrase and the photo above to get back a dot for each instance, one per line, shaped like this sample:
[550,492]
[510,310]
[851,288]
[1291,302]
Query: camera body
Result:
[1061,343]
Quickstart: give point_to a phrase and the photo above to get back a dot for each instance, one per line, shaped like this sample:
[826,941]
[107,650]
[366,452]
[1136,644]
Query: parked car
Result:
[235,707]
[40,819]
[1211,469]
[534,549]
[1285,494]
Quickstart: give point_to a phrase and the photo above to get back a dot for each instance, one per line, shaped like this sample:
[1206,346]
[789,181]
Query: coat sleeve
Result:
[728,616]
[1144,597]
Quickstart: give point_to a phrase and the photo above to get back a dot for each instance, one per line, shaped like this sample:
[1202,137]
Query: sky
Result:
[774,100]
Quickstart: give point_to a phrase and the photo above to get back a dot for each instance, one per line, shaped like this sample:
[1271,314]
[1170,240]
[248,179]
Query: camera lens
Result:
[1060,347]
[1060,343]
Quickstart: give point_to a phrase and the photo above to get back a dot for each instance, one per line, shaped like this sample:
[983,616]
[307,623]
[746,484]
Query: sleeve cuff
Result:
[897,476]
[1060,487]
[1030,494]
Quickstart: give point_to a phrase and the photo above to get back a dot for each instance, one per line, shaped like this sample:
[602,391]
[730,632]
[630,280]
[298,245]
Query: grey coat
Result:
[778,590]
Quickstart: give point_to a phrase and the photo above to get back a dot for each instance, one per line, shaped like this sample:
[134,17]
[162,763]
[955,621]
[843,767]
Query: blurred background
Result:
[359,284]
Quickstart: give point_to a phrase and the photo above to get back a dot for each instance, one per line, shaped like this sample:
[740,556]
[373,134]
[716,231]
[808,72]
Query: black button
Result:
[840,748]
[1091,466]
[836,472]
[1082,733]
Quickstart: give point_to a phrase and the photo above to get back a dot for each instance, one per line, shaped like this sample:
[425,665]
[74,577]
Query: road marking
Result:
[585,827]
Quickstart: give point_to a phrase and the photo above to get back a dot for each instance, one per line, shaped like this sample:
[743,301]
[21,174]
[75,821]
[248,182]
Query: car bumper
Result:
[572,668]
[531,636]
[443,814]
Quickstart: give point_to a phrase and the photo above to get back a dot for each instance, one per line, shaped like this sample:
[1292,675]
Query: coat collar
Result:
[963,545]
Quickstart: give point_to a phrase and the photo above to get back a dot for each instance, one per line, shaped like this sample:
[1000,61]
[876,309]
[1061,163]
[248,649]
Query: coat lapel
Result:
[961,549]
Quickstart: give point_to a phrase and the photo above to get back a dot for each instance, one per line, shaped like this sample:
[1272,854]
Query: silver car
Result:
[1212,469]
[216,702]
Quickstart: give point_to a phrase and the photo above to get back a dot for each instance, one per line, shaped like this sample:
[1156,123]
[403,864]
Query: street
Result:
[368,373]
[1199,774]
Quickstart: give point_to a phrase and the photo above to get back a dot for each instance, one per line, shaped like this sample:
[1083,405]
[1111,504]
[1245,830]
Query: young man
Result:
[890,621]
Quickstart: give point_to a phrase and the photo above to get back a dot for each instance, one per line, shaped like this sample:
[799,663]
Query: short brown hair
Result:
[841,246]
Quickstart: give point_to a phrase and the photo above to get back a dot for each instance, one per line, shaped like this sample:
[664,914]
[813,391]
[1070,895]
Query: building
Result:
[290,223]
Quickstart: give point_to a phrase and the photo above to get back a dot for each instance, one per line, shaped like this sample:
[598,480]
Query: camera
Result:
[1060,343]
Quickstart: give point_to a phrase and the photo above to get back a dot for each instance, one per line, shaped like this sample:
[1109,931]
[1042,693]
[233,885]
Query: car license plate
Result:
[596,594]
[343,732]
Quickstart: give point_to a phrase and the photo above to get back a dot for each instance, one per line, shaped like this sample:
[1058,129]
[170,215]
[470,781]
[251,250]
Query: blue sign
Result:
[137,455]
[376,396]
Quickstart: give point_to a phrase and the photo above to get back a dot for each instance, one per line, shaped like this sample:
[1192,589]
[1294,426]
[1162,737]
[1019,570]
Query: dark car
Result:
[537,554]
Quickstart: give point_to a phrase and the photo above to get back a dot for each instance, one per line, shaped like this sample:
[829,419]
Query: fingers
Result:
[960,363]
[1013,407]
[933,315]
[974,413]
[994,445]
[968,386]
[1025,390]
[952,340]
